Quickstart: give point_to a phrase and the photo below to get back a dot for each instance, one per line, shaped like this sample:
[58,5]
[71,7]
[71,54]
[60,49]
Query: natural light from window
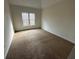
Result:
[28,18]
[32,19]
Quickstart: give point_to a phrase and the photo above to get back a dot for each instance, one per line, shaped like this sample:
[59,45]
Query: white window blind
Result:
[28,18]
[32,18]
[25,19]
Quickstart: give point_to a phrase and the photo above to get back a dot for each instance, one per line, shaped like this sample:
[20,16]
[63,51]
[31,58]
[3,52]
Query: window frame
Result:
[29,20]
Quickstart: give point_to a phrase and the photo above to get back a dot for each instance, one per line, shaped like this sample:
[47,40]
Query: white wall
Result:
[8,28]
[17,17]
[59,19]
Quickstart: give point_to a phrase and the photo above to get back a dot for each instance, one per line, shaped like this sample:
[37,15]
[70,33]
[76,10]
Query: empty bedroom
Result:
[39,29]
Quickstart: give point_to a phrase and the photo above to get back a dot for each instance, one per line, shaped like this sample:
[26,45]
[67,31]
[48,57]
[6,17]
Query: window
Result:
[25,19]
[32,19]
[28,18]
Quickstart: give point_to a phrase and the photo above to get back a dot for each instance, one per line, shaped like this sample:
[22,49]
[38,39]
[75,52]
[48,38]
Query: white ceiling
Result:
[34,3]
[47,3]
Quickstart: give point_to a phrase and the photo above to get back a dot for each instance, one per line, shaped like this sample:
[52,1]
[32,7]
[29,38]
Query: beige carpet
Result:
[38,44]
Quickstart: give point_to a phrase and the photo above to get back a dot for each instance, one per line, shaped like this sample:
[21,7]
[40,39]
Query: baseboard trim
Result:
[61,36]
[27,29]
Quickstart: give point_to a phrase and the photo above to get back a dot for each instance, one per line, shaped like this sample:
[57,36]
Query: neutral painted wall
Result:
[59,19]
[17,17]
[8,28]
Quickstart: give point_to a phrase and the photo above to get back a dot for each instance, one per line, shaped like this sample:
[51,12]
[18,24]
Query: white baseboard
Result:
[68,39]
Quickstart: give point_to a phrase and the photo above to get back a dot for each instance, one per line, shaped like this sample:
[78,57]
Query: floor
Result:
[38,44]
